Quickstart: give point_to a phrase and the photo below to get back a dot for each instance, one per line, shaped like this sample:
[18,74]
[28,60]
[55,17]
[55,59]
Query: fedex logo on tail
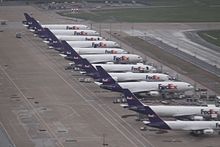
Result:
[76,57]
[129,97]
[151,115]
[68,53]
[87,66]
[105,80]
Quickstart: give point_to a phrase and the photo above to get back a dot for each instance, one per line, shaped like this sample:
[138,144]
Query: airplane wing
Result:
[181,116]
[198,128]
[138,90]
[98,83]
[124,105]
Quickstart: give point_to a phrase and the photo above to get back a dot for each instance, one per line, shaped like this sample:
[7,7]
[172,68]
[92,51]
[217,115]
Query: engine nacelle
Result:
[154,93]
[109,62]
[208,131]
[197,118]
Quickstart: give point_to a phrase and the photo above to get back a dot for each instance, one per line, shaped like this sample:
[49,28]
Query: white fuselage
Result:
[93,44]
[79,38]
[75,32]
[193,125]
[126,67]
[175,111]
[130,76]
[168,86]
[65,26]
[82,51]
[117,58]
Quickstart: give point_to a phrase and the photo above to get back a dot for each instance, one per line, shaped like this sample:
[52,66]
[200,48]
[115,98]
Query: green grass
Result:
[212,36]
[181,66]
[158,11]
[163,14]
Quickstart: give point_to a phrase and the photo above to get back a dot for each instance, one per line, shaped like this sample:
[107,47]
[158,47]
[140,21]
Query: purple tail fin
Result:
[108,82]
[132,100]
[155,120]
[89,69]
[29,21]
[53,40]
[70,52]
[39,30]
[105,77]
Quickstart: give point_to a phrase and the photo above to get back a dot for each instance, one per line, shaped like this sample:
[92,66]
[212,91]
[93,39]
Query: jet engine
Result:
[208,131]
[154,93]
[197,118]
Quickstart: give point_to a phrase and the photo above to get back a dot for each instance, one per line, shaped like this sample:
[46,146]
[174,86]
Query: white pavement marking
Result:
[111,115]
[91,105]
[36,114]
[1,124]
[94,106]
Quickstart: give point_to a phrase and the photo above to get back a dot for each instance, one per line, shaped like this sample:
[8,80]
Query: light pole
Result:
[145,36]
[91,26]
[110,31]
[103,141]
[100,30]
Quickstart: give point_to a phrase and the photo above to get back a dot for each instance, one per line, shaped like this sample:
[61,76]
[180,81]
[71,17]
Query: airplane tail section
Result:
[29,21]
[53,40]
[132,100]
[70,52]
[105,77]
[155,120]
[107,81]
[39,29]
[89,69]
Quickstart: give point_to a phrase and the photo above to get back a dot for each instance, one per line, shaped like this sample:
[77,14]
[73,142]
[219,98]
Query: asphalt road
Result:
[184,56]
[171,31]
[176,41]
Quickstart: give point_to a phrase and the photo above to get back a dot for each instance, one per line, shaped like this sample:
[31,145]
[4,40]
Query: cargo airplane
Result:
[178,112]
[90,69]
[72,55]
[40,30]
[56,38]
[195,127]
[29,23]
[131,76]
[152,88]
